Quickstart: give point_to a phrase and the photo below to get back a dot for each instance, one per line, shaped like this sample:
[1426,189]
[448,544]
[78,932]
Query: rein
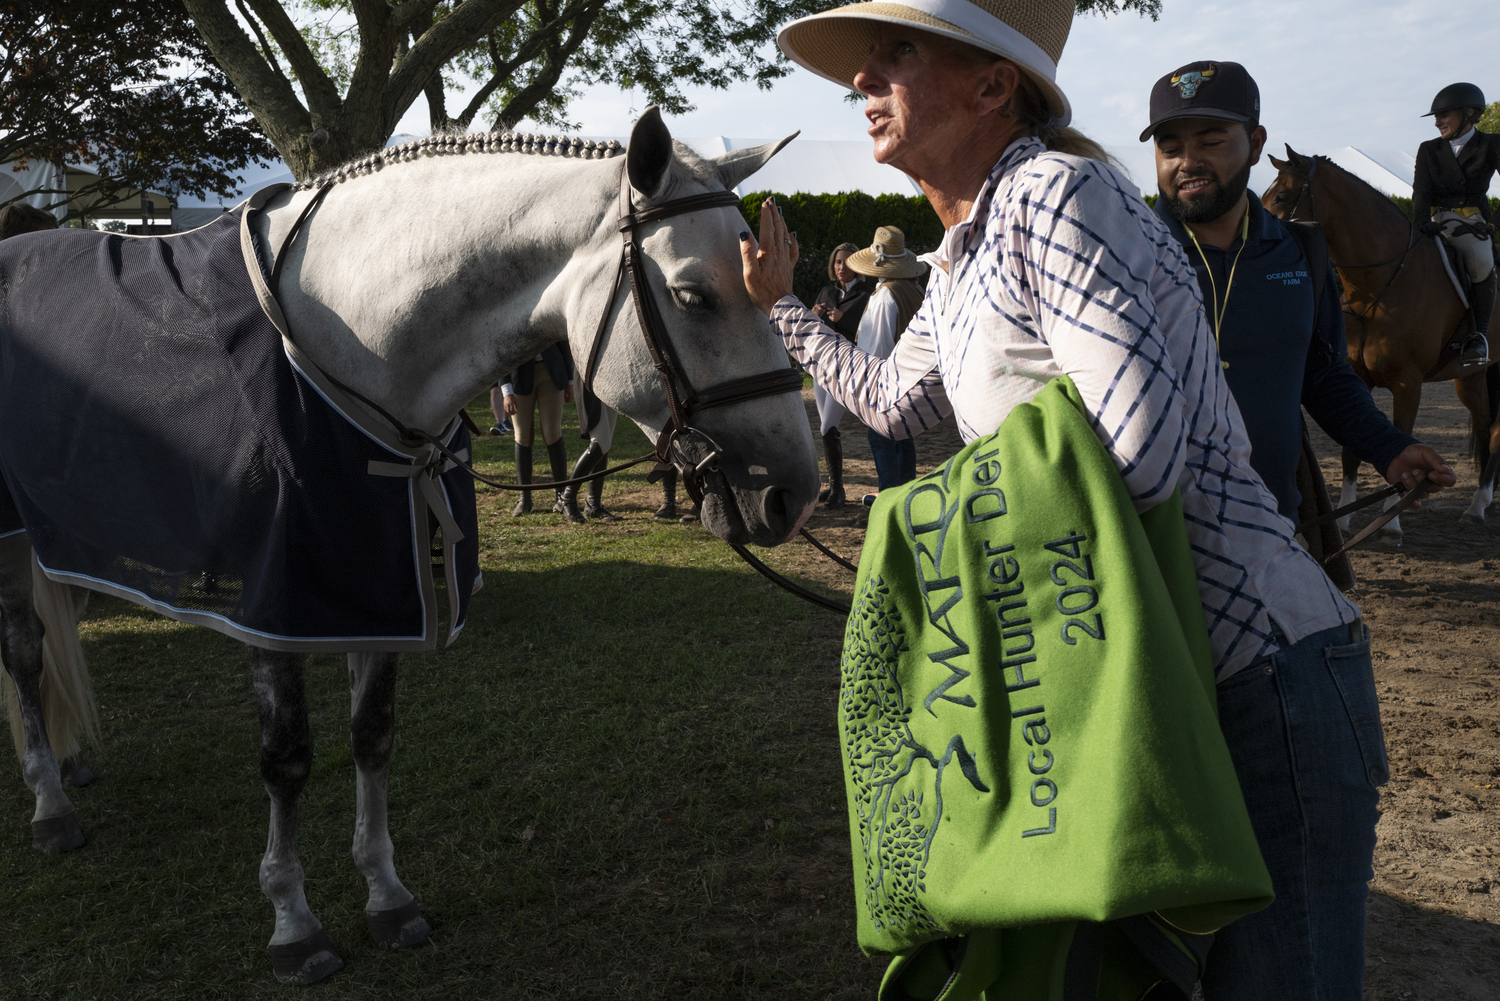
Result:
[683,401]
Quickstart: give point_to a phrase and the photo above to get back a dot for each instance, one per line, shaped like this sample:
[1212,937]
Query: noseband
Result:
[683,401]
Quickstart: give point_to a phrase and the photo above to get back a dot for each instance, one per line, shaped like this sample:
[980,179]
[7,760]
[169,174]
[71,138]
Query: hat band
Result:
[989,28]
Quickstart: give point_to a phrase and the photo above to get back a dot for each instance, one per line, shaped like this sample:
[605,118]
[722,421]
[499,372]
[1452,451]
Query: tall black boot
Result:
[567,500]
[1482,302]
[557,457]
[593,508]
[523,475]
[668,509]
[833,452]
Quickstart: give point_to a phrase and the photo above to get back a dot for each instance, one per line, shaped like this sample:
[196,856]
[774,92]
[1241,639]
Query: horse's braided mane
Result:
[476,142]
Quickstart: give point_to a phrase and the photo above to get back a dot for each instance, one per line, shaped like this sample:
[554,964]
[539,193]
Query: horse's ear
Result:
[1278,164]
[649,153]
[1293,156]
[736,165]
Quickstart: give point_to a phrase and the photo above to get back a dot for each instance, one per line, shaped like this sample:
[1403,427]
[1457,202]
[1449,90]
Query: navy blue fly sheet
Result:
[161,441]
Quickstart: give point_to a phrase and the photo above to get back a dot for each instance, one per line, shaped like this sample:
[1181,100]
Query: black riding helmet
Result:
[1457,95]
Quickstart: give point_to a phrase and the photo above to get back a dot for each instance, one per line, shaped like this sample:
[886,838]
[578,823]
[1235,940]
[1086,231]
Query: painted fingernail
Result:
[744,237]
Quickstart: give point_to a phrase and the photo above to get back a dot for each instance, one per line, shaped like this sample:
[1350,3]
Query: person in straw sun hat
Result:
[892,305]
[1052,265]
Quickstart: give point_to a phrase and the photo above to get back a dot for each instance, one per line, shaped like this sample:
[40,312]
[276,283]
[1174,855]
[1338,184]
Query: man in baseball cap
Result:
[1272,302]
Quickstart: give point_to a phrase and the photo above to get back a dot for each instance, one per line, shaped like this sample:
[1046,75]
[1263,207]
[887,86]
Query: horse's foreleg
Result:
[1486,492]
[1349,492]
[54,828]
[300,952]
[391,913]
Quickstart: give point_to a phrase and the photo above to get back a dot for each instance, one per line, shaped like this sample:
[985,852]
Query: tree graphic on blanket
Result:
[896,828]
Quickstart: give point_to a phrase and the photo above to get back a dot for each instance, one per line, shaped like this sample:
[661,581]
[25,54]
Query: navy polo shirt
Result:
[1285,352]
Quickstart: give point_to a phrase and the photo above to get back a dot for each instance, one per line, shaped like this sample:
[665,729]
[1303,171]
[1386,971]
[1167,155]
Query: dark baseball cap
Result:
[1204,90]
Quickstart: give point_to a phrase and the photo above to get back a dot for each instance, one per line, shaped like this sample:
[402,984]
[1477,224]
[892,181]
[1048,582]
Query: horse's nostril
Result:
[775,512]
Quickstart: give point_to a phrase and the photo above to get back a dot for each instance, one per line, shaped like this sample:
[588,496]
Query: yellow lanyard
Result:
[1219,310]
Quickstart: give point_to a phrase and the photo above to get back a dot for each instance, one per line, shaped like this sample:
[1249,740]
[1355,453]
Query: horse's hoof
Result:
[398,928]
[1391,538]
[305,962]
[1476,520]
[56,835]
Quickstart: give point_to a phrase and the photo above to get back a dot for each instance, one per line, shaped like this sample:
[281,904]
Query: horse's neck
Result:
[421,284]
[1361,225]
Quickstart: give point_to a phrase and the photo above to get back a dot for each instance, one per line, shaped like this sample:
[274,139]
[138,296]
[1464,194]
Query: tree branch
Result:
[533,93]
[445,39]
[265,46]
[323,98]
[269,97]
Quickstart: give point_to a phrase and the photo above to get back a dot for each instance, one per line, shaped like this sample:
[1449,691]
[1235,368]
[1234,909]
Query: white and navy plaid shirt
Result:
[1061,268]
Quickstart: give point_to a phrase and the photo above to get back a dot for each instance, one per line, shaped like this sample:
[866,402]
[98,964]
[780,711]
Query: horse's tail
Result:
[1479,434]
[68,708]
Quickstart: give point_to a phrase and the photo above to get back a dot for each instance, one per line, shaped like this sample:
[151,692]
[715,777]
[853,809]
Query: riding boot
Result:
[557,455]
[668,509]
[593,508]
[523,475]
[833,452]
[1476,351]
[568,499]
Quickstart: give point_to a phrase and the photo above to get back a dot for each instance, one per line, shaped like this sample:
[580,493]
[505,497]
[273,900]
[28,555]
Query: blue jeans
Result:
[895,461]
[1303,728]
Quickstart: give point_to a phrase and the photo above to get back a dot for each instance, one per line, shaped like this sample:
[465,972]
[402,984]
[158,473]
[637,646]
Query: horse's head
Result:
[764,482]
[1291,196]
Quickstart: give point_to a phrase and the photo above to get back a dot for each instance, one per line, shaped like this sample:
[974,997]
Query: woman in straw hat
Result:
[891,307]
[1053,265]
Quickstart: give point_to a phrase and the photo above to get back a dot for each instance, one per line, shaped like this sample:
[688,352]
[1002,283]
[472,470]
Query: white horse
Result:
[419,279]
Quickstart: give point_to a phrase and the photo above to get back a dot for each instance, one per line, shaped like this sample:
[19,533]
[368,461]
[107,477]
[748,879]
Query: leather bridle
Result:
[683,400]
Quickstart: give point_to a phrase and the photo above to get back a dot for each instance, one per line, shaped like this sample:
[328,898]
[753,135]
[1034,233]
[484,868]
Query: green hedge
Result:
[822,222]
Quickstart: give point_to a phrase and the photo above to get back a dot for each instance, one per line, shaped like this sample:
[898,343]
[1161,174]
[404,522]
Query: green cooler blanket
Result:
[1041,803]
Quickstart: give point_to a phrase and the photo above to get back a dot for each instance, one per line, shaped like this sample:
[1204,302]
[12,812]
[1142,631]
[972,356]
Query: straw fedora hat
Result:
[887,256]
[1030,33]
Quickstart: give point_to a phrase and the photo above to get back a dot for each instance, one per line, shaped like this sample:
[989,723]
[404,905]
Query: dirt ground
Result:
[1433,606]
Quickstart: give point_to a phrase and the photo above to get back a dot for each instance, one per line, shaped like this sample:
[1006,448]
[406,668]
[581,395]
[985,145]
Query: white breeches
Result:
[544,397]
[1477,252]
[604,431]
[829,410]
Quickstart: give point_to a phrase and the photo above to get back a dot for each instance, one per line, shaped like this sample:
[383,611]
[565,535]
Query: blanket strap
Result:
[452,534]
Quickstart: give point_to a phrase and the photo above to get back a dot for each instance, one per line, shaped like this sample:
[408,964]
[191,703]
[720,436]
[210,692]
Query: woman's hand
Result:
[835,315]
[568,393]
[509,405]
[769,262]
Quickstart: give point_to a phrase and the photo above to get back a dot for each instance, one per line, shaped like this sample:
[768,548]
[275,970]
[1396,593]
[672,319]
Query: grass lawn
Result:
[622,781]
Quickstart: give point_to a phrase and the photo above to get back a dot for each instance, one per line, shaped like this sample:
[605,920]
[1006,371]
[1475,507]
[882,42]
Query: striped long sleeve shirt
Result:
[1061,268]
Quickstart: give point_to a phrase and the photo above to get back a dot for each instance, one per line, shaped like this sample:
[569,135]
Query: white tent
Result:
[37,176]
[814,166]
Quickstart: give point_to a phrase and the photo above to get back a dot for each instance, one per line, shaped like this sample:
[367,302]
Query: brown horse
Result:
[1401,313]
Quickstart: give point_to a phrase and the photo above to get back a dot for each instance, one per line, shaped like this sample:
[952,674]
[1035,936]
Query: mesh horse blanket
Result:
[1041,804]
[166,442]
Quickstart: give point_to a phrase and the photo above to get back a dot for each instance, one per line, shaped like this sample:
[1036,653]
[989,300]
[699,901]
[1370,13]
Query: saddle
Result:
[1458,275]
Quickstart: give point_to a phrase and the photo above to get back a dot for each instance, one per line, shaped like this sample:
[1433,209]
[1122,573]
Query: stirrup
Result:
[1475,352]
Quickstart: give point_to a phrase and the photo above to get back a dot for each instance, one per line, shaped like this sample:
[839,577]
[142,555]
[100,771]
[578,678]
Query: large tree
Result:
[125,87]
[353,67]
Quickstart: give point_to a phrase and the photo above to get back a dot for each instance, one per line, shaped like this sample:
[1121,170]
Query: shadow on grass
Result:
[622,781]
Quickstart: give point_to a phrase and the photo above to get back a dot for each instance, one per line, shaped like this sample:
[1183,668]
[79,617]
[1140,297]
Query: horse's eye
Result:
[692,300]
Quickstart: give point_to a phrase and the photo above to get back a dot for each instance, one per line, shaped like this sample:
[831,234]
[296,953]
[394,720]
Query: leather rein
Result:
[683,400]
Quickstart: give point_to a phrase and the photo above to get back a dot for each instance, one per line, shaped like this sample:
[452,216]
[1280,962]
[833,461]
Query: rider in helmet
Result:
[1449,196]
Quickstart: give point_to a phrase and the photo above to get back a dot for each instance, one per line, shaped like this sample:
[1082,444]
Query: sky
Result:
[1332,73]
